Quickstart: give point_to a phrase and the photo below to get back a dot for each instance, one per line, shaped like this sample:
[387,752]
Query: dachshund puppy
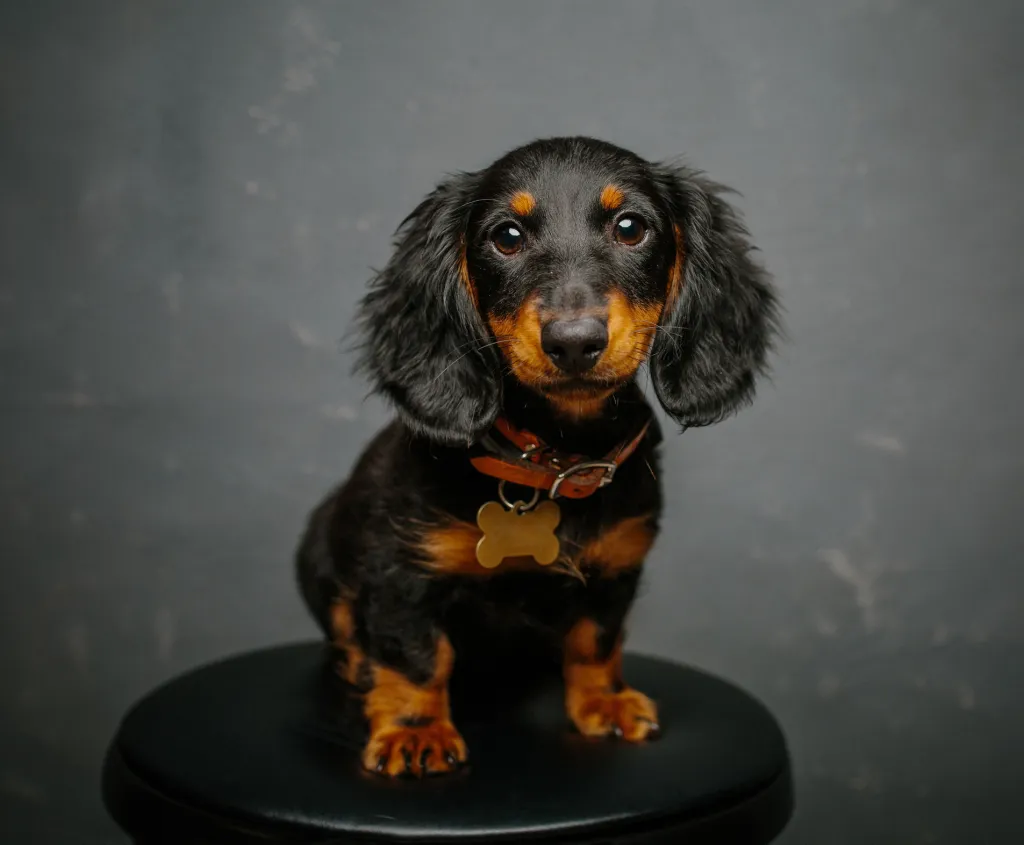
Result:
[502,520]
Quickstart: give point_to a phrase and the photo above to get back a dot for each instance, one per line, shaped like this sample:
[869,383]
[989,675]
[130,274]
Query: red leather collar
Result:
[542,467]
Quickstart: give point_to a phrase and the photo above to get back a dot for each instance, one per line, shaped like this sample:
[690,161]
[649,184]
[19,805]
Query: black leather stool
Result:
[233,753]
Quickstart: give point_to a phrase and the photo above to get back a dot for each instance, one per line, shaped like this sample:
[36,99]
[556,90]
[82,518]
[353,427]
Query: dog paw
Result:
[415,750]
[628,714]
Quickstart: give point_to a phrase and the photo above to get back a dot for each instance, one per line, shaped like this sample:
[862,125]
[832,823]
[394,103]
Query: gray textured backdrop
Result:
[192,194]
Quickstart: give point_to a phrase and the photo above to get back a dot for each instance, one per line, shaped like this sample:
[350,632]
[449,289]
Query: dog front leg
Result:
[403,676]
[597,699]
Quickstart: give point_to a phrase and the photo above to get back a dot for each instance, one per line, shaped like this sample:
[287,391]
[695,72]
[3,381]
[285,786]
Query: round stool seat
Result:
[233,753]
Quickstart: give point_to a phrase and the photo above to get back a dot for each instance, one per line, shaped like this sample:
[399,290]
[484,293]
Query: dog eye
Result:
[629,230]
[508,239]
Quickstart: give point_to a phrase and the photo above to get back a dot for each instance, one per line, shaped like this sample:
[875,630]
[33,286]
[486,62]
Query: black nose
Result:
[574,345]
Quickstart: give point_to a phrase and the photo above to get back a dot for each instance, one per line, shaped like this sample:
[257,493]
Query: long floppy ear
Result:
[721,315]
[424,344]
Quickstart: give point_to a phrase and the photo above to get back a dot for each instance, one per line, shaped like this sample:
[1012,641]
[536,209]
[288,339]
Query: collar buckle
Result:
[609,468]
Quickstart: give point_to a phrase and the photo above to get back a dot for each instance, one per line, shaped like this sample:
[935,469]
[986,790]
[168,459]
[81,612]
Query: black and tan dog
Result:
[505,516]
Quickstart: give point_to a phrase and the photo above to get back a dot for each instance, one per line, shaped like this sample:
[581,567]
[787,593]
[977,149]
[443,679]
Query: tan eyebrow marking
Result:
[523,203]
[611,197]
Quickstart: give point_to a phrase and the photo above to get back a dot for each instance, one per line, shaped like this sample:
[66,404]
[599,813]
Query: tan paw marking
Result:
[628,714]
[415,750]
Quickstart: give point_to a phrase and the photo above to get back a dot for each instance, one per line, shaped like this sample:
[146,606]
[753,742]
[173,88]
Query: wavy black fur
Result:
[425,345]
[717,338]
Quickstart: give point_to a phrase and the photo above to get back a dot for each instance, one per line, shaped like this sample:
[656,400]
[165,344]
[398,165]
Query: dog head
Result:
[567,264]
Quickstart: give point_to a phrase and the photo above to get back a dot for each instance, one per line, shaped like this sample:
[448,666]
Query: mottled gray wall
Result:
[192,194]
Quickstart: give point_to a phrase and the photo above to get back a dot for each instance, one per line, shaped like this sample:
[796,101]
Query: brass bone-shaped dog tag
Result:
[517,533]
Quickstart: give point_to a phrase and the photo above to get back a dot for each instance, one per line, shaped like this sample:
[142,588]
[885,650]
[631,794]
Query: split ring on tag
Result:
[519,507]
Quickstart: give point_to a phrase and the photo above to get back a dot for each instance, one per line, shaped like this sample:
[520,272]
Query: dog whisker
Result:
[465,354]
[476,341]
[472,202]
[665,329]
